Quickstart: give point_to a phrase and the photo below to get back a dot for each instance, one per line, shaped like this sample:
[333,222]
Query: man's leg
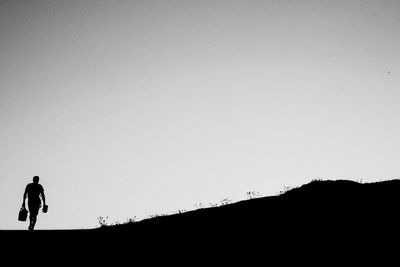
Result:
[33,221]
[30,222]
[33,212]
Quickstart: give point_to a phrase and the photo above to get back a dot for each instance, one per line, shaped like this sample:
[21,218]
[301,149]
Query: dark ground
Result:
[321,222]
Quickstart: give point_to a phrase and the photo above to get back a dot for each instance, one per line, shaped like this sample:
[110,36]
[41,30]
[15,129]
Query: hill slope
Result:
[319,216]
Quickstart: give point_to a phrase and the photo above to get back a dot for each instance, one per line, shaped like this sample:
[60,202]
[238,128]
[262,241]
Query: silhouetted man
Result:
[34,191]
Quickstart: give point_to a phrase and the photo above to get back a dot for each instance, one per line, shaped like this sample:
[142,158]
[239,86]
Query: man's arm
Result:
[25,193]
[43,197]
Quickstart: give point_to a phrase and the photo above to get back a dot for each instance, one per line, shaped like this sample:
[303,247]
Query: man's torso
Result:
[34,191]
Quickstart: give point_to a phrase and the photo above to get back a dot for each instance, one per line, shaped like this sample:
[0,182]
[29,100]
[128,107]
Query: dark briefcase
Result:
[23,213]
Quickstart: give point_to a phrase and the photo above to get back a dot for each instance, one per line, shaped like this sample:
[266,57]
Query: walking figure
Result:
[34,191]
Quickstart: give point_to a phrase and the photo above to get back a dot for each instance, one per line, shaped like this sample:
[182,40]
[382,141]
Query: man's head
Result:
[36,179]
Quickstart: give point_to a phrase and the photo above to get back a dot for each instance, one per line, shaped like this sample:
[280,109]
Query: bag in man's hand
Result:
[23,214]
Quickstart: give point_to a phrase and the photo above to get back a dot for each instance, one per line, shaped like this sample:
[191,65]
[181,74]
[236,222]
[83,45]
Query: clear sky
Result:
[134,108]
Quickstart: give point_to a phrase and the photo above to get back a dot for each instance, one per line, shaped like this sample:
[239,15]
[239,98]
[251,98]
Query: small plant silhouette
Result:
[103,221]
[285,189]
[131,220]
[226,201]
[199,206]
[316,180]
[252,194]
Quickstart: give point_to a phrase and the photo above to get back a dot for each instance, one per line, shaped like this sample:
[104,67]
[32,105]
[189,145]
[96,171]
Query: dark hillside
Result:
[333,217]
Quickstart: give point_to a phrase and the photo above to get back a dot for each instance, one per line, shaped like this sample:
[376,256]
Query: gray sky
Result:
[133,108]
